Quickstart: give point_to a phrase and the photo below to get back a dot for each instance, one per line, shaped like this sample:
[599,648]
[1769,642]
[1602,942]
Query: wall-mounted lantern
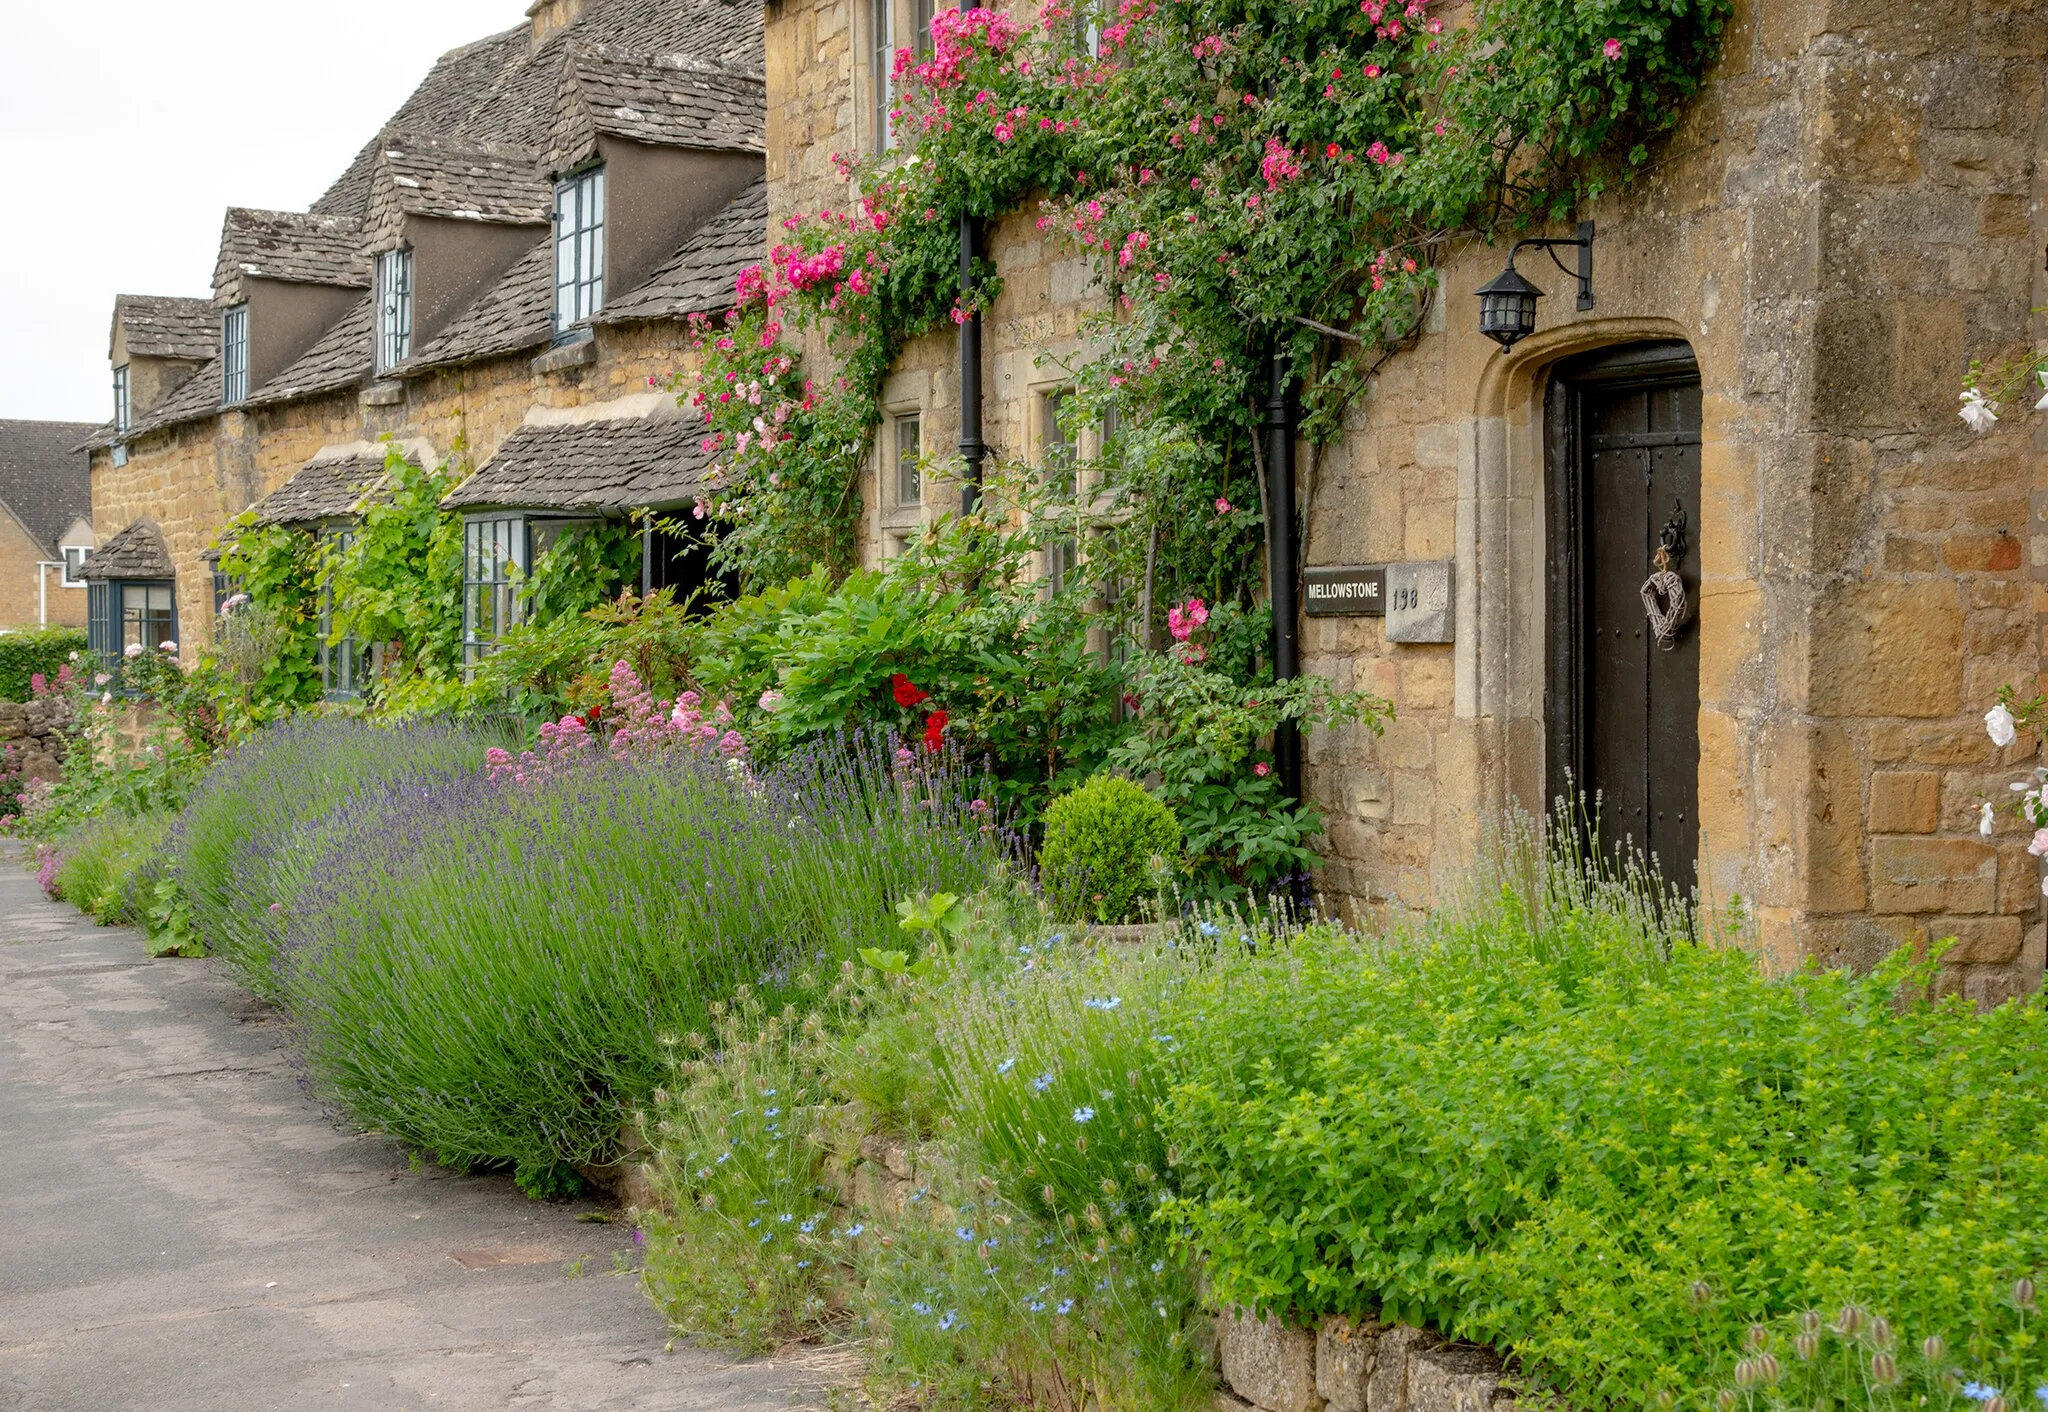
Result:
[1507,302]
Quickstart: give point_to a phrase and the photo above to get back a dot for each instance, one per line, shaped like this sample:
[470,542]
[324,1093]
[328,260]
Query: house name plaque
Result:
[1338,590]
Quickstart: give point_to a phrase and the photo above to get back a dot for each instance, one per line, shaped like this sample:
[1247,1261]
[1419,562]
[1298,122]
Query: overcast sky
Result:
[126,129]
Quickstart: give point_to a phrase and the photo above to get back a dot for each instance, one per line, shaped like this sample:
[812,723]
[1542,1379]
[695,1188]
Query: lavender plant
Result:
[492,970]
[256,822]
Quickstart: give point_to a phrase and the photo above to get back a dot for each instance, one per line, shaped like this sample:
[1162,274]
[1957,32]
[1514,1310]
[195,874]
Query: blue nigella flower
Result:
[852,1231]
[2041,1395]
[1106,1003]
[965,1233]
[1042,1083]
[785,1218]
[1083,1114]
[1006,1066]
[946,1325]
[808,1226]
[1066,1307]
[1059,1272]
[767,1236]
[803,1264]
[918,1308]
[1210,929]
[1036,1306]
[1157,1266]
[772,1113]
[753,1223]
[1978,1392]
[1054,939]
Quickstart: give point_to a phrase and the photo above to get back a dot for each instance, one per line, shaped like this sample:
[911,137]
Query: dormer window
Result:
[234,355]
[121,398]
[394,308]
[579,249]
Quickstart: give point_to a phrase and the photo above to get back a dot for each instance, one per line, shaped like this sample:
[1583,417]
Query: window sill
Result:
[383,394]
[579,354]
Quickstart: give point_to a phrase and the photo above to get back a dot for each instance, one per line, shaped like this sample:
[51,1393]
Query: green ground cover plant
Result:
[44,651]
[1109,848]
[107,865]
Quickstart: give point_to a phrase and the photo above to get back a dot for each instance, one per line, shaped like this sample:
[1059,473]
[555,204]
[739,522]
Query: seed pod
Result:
[1767,1370]
[1848,1321]
[1880,1333]
[1807,1346]
[1664,1398]
[1701,1292]
[1758,1338]
[1996,1404]
[1932,1348]
[2023,1293]
[1809,1322]
[1745,1373]
[1883,1371]
[1726,1400]
[1048,1194]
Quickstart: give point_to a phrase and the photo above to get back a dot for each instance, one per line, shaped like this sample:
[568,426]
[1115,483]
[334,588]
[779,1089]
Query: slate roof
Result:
[328,489]
[340,357]
[518,312]
[165,326]
[645,462]
[699,278]
[137,552]
[45,477]
[453,177]
[663,100]
[197,396]
[291,245]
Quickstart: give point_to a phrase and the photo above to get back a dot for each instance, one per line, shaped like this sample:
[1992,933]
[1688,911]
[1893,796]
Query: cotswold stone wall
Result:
[1852,210]
[194,478]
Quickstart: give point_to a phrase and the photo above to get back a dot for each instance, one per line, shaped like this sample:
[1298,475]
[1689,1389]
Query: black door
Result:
[1623,708]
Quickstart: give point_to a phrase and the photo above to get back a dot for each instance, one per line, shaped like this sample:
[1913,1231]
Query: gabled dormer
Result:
[446,218]
[644,149]
[155,344]
[283,279]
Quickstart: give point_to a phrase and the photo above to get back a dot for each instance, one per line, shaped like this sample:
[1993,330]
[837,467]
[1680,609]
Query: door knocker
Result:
[1664,591]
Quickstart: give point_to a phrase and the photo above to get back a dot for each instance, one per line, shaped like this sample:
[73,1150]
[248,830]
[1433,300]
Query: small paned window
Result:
[579,249]
[99,619]
[494,560]
[921,26]
[882,25]
[1062,553]
[394,308]
[909,449]
[225,586]
[1091,27]
[344,665]
[74,565]
[234,355]
[121,398]
[149,614]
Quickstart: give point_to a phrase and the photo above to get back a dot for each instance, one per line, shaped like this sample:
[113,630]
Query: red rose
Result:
[907,694]
[935,730]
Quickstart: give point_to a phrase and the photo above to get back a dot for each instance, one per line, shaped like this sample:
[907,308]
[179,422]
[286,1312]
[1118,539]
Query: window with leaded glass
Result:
[394,308]
[121,398]
[494,560]
[344,665]
[909,449]
[99,619]
[579,248]
[882,28]
[234,355]
[149,614]
[225,586]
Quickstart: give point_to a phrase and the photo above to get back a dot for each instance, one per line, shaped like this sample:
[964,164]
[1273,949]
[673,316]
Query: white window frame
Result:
[495,560]
[394,308]
[74,556]
[907,473]
[234,355]
[579,249]
[122,405]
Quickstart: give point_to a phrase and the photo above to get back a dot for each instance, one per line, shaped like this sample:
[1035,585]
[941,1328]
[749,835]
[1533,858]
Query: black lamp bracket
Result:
[1584,273]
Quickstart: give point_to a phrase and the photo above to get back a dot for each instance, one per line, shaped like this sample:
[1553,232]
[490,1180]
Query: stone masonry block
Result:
[1933,875]
[1452,1379]
[1344,1359]
[1904,801]
[1387,1389]
[1991,941]
[1267,1363]
[1887,647]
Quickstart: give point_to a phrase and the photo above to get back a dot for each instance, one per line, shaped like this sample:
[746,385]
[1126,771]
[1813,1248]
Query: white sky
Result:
[128,126]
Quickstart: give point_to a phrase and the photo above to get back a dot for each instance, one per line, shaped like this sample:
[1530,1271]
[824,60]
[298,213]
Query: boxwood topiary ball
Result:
[1104,844]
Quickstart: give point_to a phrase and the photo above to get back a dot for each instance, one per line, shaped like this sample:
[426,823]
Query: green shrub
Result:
[24,654]
[254,825]
[107,864]
[1548,1121]
[1106,846]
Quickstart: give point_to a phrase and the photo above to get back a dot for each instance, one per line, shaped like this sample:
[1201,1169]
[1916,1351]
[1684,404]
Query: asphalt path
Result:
[182,1227]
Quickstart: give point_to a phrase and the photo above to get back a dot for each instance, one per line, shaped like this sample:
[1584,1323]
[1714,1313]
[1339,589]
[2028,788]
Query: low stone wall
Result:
[34,736]
[1264,1364]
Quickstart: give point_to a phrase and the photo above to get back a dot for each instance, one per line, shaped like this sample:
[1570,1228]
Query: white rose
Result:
[1999,722]
[133,651]
[2042,405]
[168,646]
[1985,821]
[1977,414]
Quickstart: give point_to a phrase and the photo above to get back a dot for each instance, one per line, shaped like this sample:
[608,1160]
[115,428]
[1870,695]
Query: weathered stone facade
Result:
[1852,210]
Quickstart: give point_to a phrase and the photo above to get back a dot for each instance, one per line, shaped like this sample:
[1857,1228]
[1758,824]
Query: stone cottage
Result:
[491,283]
[1784,309]
[45,523]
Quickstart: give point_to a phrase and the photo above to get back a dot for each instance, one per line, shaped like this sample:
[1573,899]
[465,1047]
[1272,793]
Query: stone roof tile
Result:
[628,464]
[197,396]
[329,488]
[45,477]
[137,552]
[518,312]
[699,278]
[662,100]
[458,179]
[165,326]
[291,245]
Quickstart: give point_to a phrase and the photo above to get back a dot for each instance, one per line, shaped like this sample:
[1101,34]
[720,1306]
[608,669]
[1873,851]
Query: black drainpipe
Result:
[1281,569]
[972,450]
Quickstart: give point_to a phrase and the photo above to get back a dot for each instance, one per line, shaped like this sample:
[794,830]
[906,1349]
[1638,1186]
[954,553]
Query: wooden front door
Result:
[1623,705]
